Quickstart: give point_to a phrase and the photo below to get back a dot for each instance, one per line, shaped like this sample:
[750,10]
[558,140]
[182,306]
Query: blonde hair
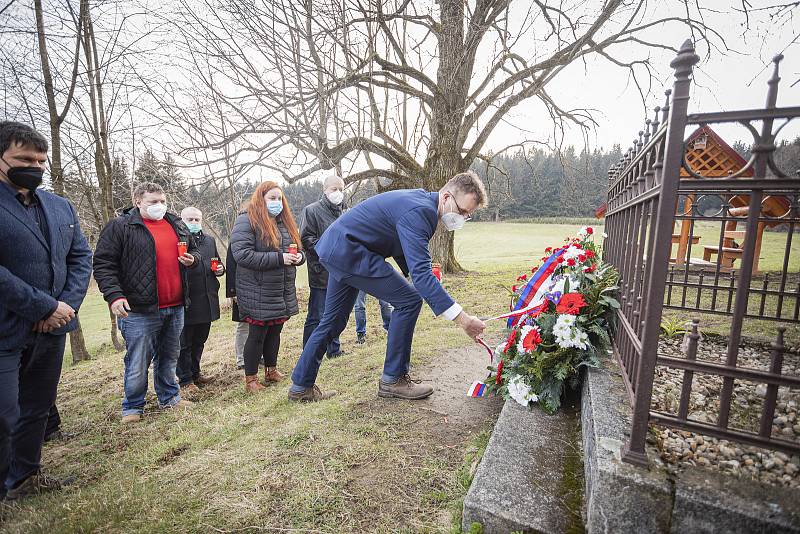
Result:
[470,184]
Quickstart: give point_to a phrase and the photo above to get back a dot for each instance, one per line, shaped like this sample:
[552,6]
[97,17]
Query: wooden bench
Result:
[676,238]
[729,255]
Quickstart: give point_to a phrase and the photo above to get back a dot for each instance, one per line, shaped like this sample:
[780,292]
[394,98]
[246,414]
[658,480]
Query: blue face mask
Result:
[194,227]
[275,207]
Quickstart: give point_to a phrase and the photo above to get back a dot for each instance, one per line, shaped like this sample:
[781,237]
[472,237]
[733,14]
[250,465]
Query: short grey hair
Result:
[190,208]
[328,179]
[146,187]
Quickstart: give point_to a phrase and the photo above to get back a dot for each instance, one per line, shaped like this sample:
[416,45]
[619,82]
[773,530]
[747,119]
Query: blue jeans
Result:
[343,288]
[316,307]
[361,313]
[29,378]
[151,337]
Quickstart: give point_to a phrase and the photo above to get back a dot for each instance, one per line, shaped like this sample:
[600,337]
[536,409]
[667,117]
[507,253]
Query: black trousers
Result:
[193,341]
[28,381]
[53,422]
[262,341]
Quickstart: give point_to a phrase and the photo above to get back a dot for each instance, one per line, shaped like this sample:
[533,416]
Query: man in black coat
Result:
[141,265]
[316,218]
[242,328]
[45,265]
[203,308]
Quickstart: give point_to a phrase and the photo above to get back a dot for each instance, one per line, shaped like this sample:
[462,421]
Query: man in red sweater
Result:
[140,267]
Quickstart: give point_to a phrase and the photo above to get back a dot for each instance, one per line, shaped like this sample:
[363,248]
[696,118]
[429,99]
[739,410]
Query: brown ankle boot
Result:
[251,384]
[271,375]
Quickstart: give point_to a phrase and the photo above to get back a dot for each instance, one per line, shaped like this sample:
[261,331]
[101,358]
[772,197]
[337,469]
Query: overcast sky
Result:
[735,80]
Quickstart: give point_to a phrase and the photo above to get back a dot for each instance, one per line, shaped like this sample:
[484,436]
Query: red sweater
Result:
[168,272]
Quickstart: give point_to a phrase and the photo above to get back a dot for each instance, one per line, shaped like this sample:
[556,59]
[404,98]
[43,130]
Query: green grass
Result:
[248,463]
[355,464]
[773,247]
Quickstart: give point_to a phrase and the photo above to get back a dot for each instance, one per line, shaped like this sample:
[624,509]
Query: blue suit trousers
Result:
[387,285]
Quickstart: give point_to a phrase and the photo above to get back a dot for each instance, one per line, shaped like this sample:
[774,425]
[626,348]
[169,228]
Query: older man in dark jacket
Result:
[45,265]
[140,265]
[203,306]
[316,218]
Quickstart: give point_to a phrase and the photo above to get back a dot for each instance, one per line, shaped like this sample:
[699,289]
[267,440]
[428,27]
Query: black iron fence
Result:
[694,244]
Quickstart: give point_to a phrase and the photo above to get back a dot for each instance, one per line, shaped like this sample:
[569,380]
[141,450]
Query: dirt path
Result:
[451,374]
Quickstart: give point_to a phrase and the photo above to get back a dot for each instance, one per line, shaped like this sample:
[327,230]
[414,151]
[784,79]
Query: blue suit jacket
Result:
[397,224]
[35,275]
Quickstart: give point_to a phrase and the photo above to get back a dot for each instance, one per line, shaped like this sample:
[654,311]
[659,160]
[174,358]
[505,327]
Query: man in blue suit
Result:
[45,264]
[399,225]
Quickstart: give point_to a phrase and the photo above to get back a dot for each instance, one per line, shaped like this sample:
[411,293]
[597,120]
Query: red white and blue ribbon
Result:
[526,298]
[477,389]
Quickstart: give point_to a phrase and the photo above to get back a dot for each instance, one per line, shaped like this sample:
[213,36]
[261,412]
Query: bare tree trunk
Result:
[76,341]
[78,345]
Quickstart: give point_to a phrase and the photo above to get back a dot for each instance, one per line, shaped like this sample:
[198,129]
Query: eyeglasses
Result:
[464,213]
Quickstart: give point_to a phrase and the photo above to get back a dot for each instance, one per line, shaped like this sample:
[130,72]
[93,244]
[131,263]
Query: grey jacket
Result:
[316,218]
[265,287]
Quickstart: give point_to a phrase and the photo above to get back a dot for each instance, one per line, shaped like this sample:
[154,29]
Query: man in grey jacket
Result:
[316,218]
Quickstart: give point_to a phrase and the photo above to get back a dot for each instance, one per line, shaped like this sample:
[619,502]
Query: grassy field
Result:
[239,463]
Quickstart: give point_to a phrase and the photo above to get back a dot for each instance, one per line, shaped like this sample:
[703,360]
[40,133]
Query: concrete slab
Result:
[523,483]
[707,501]
[619,496]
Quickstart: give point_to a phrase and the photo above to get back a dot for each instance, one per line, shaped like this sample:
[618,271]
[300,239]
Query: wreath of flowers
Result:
[545,349]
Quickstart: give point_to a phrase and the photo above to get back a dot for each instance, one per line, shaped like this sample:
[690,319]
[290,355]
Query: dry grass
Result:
[257,463]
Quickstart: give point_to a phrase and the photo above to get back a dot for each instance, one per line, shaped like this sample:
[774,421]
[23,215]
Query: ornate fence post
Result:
[658,260]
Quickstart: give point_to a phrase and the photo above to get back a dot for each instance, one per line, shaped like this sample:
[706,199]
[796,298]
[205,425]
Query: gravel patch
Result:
[681,449]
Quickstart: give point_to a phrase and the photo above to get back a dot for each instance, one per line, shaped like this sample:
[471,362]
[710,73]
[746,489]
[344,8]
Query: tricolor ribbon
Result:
[526,299]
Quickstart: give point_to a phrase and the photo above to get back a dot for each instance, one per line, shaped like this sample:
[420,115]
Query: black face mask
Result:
[25,177]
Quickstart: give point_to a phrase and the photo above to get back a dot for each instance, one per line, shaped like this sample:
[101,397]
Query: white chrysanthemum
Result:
[572,338]
[565,320]
[520,391]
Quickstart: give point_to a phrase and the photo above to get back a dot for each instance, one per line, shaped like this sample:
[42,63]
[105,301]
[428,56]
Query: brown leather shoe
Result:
[189,390]
[203,380]
[405,388]
[272,375]
[312,394]
[251,384]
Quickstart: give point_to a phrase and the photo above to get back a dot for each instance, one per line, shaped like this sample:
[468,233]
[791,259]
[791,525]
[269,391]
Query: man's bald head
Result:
[332,183]
[192,215]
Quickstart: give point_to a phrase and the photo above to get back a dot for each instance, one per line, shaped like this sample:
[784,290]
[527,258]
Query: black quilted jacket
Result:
[264,285]
[125,261]
[317,217]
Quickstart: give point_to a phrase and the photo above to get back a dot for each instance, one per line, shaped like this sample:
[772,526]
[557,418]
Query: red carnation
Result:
[590,269]
[512,338]
[590,254]
[571,303]
[582,258]
[570,262]
[522,278]
[548,250]
[560,259]
[513,289]
[589,230]
[499,377]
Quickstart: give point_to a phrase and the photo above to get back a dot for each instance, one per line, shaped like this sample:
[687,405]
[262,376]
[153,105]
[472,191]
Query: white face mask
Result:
[453,221]
[335,197]
[155,212]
